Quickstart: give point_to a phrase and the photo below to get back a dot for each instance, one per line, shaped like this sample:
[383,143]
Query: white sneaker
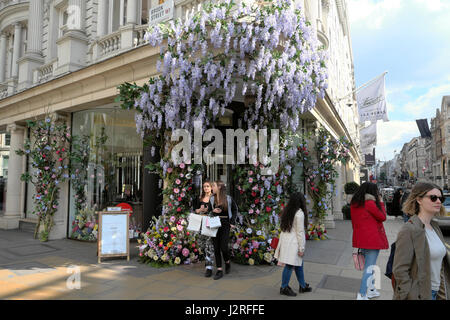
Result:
[372,293]
[360,297]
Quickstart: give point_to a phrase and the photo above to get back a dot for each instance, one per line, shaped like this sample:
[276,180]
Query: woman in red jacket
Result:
[368,213]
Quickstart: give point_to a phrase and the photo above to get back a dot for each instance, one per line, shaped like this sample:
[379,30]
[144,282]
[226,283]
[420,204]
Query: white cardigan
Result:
[292,242]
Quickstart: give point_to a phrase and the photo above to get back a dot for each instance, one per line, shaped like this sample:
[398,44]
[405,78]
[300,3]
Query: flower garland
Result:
[167,242]
[49,153]
[265,51]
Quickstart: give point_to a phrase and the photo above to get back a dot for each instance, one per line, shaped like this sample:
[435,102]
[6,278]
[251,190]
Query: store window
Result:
[110,168]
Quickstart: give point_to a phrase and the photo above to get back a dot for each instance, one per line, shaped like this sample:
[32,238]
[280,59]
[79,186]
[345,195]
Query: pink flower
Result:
[176,190]
[182,165]
[172,219]
[180,227]
[185,252]
[250,180]
[178,181]
[169,170]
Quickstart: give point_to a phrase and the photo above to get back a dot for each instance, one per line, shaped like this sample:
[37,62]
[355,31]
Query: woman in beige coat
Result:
[291,246]
[421,266]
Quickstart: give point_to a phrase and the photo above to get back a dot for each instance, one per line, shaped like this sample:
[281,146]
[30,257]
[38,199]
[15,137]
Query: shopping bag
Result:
[195,221]
[207,231]
[274,243]
[214,222]
[358,260]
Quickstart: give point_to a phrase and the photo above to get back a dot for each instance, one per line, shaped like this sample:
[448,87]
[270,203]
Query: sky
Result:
[410,39]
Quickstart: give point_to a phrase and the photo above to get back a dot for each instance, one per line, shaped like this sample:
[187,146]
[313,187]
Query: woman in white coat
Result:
[291,246]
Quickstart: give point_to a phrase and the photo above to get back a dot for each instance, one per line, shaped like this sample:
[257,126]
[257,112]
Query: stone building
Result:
[67,57]
[440,146]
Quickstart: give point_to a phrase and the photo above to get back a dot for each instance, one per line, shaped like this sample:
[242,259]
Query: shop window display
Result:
[107,171]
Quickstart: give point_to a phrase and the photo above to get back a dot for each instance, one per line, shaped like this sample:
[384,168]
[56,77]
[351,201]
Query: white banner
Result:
[372,102]
[368,138]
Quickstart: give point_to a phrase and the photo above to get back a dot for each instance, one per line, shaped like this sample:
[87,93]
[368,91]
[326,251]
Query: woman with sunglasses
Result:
[368,213]
[421,265]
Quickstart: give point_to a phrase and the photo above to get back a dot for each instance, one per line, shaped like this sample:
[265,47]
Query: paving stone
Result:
[339,283]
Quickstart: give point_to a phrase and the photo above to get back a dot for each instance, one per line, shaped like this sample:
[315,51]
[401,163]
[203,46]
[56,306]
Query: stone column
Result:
[35,19]
[15,190]
[132,6]
[102,22]
[2,57]
[16,50]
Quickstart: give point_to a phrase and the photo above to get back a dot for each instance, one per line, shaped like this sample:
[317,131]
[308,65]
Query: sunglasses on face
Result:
[434,198]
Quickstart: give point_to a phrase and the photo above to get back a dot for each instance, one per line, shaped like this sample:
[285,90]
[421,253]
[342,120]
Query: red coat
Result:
[368,229]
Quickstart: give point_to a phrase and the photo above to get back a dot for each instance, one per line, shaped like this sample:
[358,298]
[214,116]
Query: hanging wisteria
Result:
[266,52]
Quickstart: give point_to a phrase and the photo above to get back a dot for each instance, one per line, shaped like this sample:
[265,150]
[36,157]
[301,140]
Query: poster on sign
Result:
[113,237]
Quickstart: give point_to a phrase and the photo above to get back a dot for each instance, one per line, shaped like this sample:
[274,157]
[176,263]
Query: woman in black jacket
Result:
[224,207]
[202,205]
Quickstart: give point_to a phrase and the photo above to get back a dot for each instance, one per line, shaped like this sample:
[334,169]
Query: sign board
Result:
[162,12]
[113,237]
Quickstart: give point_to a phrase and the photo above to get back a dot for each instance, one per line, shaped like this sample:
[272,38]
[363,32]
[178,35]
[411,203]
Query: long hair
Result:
[296,201]
[411,206]
[221,197]
[202,194]
[359,198]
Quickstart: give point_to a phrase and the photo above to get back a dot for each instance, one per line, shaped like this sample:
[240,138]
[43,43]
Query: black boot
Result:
[218,275]
[208,273]
[288,292]
[227,268]
[307,288]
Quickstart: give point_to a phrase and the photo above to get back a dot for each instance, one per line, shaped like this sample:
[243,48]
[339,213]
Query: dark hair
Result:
[202,194]
[221,198]
[359,198]
[296,201]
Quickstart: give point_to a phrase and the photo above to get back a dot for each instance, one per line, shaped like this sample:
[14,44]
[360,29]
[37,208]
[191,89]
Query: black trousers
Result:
[221,242]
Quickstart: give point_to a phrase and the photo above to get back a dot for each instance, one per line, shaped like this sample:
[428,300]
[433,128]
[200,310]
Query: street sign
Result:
[161,13]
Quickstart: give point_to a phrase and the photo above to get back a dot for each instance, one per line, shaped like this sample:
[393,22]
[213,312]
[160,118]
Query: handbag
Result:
[214,222]
[274,243]
[207,231]
[358,260]
[195,221]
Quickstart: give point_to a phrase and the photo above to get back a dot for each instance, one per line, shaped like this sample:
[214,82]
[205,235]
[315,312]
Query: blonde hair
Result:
[412,207]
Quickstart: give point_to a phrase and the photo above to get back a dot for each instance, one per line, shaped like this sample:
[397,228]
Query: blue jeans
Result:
[434,295]
[287,272]
[370,258]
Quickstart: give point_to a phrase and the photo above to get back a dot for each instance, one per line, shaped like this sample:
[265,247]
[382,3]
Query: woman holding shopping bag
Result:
[224,207]
[291,246]
[203,206]
[368,213]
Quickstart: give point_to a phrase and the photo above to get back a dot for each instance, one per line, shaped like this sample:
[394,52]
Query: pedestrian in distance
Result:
[292,243]
[203,206]
[368,213]
[421,265]
[224,207]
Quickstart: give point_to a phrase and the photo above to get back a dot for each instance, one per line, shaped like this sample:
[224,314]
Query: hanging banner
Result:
[372,101]
[368,138]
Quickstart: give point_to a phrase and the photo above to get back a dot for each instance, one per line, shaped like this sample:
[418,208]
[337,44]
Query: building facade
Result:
[440,147]
[67,57]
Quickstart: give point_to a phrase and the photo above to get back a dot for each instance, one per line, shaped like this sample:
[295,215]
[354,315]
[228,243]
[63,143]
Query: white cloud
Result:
[373,13]
[425,105]
[392,136]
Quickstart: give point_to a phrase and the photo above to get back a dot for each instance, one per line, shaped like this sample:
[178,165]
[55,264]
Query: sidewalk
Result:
[31,270]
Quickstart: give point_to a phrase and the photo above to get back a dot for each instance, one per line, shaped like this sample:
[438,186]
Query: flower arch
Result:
[265,54]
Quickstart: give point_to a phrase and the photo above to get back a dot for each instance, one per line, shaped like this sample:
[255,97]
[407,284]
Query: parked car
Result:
[444,222]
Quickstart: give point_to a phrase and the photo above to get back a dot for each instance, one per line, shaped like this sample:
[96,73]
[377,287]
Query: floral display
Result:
[85,225]
[316,232]
[167,242]
[268,52]
[49,153]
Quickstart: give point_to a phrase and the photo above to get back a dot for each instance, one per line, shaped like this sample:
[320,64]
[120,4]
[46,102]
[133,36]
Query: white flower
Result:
[249,230]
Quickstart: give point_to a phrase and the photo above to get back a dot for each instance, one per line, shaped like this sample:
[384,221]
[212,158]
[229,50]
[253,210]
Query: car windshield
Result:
[447,201]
